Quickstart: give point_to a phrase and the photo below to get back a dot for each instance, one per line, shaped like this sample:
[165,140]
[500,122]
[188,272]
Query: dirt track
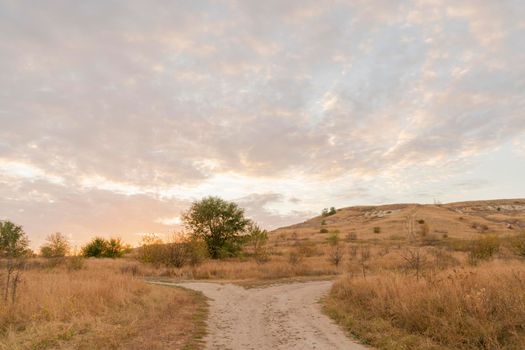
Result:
[285,316]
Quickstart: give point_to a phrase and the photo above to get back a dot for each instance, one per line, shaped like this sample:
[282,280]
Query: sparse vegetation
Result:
[336,252]
[455,309]
[351,236]
[181,250]
[258,240]
[404,256]
[484,248]
[98,308]
[517,244]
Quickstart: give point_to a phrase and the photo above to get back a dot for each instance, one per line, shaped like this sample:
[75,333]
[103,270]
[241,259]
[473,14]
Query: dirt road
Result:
[285,316]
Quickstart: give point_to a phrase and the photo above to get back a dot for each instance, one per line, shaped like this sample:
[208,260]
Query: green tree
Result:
[102,248]
[13,247]
[115,248]
[56,246]
[219,223]
[13,240]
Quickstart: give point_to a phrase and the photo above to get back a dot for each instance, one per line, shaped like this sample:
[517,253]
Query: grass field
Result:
[407,277]
[99,307]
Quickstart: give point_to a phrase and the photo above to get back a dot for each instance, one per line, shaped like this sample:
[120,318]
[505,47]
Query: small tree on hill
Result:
[336,250]
[219,223]
[56,246]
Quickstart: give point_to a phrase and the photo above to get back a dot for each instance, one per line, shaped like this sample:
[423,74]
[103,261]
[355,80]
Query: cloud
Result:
[119,103]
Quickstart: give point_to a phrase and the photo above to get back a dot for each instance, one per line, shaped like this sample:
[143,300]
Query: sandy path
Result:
[285,316]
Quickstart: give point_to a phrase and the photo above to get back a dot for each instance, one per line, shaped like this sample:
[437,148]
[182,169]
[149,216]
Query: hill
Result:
[462,220]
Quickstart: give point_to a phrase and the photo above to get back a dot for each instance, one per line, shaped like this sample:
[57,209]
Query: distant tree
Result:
[328,212]
[219,223]
[102,248]
[115,248]
[336,252]
[95,248]
[57,245]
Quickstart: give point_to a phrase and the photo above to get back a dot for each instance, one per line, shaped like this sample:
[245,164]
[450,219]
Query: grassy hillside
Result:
[463,220]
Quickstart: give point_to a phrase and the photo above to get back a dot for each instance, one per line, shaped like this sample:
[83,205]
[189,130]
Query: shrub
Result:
[484,248]
[424,230]
[336,251]
[307,249]
[102,248]
[197,251]
[57,245]
[517,244]
[351,236]
[175,254]
[323,230]
[294,258]
[421,221]
[181,250]
[377,229]
[132,269]
[257,240]
[75,263]
[430,240]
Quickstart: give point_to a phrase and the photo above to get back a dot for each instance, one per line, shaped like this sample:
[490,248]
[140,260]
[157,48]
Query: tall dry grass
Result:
[479,307]
[97,307]
[240,269]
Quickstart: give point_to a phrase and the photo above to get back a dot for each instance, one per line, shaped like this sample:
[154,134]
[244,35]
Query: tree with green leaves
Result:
[219,223]
[13,240]
[14,246]
[56,246]
[102,248]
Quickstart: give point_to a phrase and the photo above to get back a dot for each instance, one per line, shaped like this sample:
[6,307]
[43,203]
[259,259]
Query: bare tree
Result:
[364,257]
[336,253]
[415,260]
[14,248]
[56,246]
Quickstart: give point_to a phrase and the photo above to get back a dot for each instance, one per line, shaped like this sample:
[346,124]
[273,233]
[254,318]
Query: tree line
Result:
[215,228]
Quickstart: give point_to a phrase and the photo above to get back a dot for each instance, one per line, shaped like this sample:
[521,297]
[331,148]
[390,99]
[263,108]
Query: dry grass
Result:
[98,307]
[241,269]
[479,307]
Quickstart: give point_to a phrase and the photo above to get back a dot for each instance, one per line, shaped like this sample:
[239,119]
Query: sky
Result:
[116,115]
